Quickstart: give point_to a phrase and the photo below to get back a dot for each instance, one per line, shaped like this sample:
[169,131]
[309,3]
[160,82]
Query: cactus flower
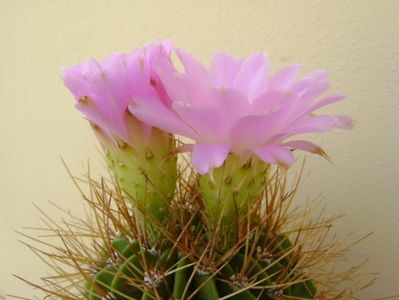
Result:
[139,153]
[241,119]
[237,107]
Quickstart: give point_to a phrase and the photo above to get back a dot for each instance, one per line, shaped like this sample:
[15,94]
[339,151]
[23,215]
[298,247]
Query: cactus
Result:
[187,262]
[221,227]
[279,252]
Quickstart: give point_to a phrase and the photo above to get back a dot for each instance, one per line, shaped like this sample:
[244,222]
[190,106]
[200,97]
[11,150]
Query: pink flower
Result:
[237,107]
[140,155]
[103,91]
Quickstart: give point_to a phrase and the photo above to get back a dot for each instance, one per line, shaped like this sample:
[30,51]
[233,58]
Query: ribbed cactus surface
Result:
[148,177]
[131,271]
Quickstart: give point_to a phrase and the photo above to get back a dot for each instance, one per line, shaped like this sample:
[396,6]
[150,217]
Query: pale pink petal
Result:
[319,123]
[206,122]
[191,66]
[285,78]
[303,145]
[216,116]
[280,117]
[102,97]
[230,104]
[251,80]
[344,122]
[316,75]
[224,69]
[195,81]
[156,114]
[255,130]
[97,101]
[115,74]
[77,84]
[74,81]
[327,101]
[138,76]
[308,80]
[95,116]
[269,100]
[304,109]
[205,157]
[156,50]
[173,82]
[274,155]
[246,132]
[315,90]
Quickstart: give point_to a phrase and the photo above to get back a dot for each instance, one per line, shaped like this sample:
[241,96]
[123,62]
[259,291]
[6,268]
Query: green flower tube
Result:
[228,193]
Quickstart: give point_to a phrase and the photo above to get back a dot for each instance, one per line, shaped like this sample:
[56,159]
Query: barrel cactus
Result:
[133,272]
[187,261]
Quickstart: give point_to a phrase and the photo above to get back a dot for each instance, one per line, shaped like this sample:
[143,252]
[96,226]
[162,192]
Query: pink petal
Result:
[308,80]
[205,157]
[206,122]
[74,81]
[223,70]
[344,122]
[103,99]
[255,130]
[301,110]
[326,101]
[314,91]
[316,75]
[173,82]
[251,80]
[246,132]
[213,118]
[285,78]
[158,49]
[269,100]
[275,155]
[319,124]
[96,100]
[115,73]
[138,76]
[303,145]
[156,114]
[191,66]
[230,103]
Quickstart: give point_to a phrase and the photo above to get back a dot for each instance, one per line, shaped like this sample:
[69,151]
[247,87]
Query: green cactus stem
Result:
[145,165]
[229,191]
[147,179]
[129,271]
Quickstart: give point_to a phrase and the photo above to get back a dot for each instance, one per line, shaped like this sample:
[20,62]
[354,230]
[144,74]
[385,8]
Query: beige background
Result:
[357,40]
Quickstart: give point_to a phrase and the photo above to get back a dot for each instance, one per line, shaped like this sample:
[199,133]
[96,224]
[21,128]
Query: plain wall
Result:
[358,41]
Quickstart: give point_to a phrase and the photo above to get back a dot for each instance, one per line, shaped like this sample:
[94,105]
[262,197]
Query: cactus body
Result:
[133,272]
[262,267]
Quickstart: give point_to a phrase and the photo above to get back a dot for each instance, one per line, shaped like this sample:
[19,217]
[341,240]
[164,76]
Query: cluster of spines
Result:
[130,271]
[279,252]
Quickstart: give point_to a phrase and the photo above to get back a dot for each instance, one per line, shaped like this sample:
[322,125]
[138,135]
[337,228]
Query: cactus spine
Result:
[133,272]
[188,260]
